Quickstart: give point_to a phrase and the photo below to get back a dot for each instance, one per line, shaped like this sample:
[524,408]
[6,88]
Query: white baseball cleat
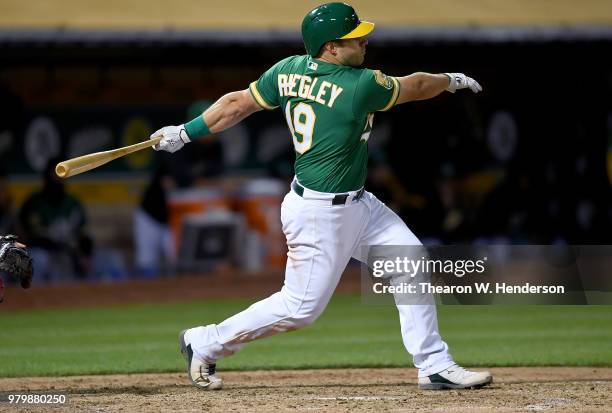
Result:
[455,377]
[201,374]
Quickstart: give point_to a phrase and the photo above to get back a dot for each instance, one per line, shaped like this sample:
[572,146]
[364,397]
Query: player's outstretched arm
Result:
[229,110]
[223,114]
[421,86]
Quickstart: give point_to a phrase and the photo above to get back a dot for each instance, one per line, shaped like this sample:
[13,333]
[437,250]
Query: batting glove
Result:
[461,81]
[173,138]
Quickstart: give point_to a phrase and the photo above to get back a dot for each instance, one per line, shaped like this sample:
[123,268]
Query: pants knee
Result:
[303,318]
[299,312]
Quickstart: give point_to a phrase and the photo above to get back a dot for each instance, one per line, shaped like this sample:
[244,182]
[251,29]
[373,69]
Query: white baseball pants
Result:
[322,238]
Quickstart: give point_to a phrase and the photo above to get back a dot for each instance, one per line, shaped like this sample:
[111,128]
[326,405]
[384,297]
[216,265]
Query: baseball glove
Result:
[15,260]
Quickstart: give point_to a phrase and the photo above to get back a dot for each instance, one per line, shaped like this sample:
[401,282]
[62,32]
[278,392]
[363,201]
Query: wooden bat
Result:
[86,163]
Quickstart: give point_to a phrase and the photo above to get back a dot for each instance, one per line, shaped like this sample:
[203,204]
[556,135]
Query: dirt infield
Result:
[550,389]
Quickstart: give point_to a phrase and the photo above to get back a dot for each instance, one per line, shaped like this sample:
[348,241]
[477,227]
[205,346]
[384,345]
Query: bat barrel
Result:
[85,163]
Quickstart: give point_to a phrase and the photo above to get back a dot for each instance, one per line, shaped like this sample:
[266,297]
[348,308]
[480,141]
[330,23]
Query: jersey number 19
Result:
[301,124]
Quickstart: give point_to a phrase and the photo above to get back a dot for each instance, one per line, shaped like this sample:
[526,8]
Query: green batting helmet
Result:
[332,21]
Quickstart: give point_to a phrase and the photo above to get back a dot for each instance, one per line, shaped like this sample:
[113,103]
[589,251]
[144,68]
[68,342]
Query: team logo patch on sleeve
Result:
[383,80]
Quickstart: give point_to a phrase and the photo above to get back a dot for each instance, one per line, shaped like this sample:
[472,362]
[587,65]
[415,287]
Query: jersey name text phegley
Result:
[326,95]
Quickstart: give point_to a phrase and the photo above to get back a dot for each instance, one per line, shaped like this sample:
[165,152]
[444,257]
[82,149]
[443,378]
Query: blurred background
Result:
[528,161]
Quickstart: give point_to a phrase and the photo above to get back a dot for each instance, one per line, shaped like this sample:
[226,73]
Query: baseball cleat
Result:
[455,377]
[201,374]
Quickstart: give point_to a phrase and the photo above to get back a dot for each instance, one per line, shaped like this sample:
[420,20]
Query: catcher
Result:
[15,261]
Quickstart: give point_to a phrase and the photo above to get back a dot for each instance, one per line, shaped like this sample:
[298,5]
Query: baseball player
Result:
[329,103]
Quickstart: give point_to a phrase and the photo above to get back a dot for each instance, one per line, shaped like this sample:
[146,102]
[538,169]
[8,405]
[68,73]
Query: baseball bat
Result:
[86,163]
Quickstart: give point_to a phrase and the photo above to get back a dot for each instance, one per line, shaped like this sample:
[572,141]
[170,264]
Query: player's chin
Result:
[358,61]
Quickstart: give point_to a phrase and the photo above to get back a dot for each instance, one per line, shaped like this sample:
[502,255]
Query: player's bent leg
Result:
[202,346]
[316,259]
[281,312]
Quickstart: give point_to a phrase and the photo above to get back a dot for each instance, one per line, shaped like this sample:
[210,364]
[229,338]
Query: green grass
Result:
[143,338]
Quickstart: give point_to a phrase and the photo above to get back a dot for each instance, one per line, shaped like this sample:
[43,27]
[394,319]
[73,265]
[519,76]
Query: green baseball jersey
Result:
[329,110]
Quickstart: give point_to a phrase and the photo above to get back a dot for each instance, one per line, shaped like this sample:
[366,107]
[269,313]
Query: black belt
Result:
[339,199]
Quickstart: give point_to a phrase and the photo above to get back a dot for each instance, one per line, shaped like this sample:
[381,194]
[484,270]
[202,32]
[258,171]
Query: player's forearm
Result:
[223,114]
[229,110]
[421,86]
